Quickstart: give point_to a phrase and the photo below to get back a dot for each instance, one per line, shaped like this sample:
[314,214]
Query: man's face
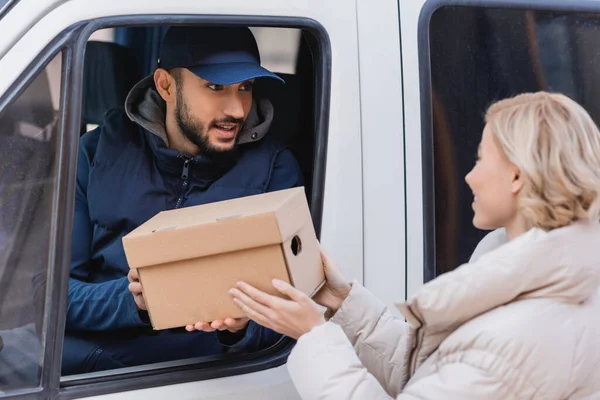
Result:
[211,116]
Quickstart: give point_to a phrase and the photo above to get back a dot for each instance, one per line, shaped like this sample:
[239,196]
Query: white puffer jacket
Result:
[520,322]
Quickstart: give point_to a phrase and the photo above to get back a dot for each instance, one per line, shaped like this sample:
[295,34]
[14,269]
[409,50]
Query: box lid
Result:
[216,228]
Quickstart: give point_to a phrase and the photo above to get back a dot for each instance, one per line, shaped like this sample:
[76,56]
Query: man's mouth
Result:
[227,131]
[226,127]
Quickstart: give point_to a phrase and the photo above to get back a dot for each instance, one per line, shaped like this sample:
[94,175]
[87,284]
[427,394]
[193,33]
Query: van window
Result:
[478,55]
[279,48]
[4,5]
[115,61]
[28,178]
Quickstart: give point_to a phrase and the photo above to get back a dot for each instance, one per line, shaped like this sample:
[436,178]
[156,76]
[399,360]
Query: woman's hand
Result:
[336,288]
[293,317]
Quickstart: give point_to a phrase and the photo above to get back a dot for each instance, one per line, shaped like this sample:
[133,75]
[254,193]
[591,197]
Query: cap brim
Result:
[228,74]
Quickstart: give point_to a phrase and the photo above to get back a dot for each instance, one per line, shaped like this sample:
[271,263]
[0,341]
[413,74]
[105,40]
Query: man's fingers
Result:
[204,326]
[236,322]
[133,275]
[135,288]
[288,290]
[139,301]
[230,324]
[218,325]
[235,325]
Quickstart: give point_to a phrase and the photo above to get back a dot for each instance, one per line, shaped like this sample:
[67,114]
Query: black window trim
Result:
[427,157]
[72,43]
[7,7]
[62,206]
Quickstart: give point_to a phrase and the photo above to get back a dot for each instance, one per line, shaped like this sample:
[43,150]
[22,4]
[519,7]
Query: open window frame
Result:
[72,43]
[430,270]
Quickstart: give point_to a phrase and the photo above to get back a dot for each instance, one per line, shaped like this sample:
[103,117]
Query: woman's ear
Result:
[165,85]
[517,183]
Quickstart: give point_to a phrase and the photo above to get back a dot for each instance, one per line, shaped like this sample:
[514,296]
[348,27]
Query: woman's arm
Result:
[324,366]
[380,340]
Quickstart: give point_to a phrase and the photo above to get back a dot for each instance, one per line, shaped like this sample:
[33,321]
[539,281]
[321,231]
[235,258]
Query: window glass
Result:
[480,55]
[28,177]
[278,48]
[105,331]
[4,4]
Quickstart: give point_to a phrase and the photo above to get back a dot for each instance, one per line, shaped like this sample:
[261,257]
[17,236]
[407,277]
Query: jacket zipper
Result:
[185,178]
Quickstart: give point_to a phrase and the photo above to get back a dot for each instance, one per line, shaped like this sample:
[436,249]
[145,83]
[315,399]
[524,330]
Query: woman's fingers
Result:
[332,272]
[288,290]
[258,295]
[292,318]
[324,256]
[254,299]
[253,314]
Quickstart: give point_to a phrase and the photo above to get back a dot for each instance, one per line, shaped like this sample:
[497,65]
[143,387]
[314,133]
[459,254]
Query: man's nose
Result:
[234,107]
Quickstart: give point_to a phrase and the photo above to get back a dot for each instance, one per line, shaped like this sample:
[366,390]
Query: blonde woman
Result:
[521,321]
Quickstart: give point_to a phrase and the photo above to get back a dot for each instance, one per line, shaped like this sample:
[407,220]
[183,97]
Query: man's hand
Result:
[135,287]
[229,324]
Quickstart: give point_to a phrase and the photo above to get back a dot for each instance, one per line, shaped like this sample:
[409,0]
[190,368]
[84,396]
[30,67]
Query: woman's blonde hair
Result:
[556,145]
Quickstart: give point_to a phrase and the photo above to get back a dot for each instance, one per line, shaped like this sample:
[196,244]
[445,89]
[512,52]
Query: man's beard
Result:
[196,132]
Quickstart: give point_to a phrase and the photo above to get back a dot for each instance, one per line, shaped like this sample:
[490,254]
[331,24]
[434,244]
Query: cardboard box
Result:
[189,258]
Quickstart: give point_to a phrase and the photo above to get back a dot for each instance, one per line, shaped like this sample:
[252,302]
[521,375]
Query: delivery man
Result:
[189,134]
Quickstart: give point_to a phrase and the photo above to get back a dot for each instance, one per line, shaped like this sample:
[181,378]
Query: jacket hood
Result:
[145,107]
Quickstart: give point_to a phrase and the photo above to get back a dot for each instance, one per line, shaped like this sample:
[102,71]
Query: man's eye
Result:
[215,87]
[246,88]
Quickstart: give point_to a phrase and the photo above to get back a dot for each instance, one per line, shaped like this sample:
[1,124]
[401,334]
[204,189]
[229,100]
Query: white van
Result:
[383,107]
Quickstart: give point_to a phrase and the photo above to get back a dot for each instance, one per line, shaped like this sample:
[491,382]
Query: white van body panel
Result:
[409,21]
[364,206]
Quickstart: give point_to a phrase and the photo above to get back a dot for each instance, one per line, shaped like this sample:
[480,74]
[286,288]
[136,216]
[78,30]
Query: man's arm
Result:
[286,174]
[93,306]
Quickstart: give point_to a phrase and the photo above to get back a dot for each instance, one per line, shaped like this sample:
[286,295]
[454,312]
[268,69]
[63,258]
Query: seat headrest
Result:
[110,71]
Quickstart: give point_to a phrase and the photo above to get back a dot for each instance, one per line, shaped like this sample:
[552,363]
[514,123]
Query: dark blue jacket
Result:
[126,175]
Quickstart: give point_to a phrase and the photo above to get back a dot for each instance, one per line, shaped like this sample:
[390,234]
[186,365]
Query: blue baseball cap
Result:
[223,56]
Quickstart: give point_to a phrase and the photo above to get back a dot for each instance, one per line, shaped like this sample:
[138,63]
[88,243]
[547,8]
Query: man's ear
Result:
[165,85]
